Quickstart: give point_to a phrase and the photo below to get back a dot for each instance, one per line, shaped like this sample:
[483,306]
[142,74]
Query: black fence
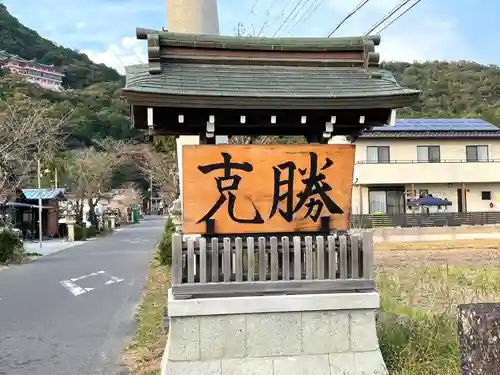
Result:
[441,219]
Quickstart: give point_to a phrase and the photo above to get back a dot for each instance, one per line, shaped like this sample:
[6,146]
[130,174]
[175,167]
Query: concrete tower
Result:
[193,16]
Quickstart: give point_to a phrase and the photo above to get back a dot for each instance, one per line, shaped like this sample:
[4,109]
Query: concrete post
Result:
[196,17]
[70,223]
[193,16]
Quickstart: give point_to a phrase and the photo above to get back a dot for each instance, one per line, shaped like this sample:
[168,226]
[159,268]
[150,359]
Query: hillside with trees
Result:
[27,43]
[451,89]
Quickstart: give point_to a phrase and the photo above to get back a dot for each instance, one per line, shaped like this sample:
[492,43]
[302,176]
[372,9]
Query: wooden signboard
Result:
[240,189]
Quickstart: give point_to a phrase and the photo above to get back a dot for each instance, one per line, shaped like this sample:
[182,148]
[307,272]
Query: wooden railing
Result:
[436,219]
[262,266]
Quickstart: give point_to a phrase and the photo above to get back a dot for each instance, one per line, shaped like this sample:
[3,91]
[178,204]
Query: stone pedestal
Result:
[112,222]
[109,222]
[326,334]
[175,213]
[70,224]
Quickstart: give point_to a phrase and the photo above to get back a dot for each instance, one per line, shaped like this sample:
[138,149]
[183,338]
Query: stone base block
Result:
[313,334]
[365,363]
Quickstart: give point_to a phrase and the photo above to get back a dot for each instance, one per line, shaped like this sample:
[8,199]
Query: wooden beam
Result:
[262,288]
[412,195]
[463,196]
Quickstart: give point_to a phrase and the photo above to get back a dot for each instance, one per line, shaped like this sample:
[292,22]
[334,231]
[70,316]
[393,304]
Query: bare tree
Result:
[29,130]
[90,171]
[127,196]
[159,166]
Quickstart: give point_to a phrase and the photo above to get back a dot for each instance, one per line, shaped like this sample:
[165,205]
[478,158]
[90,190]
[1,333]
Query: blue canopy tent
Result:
[429,201]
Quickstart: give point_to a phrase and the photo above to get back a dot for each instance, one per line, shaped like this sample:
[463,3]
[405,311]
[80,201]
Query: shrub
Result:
[80,232]
[165,244]
[91,232]
[11,247]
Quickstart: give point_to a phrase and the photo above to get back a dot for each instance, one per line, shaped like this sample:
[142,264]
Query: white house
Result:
[456,159]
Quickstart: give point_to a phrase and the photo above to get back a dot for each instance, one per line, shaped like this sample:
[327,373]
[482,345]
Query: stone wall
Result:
[329,341]
[429,234]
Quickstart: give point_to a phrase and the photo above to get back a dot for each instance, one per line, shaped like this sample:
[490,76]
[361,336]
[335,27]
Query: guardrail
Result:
[216,267]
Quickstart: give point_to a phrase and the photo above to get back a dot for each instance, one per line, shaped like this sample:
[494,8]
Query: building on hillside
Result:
[33,71]
[455,159]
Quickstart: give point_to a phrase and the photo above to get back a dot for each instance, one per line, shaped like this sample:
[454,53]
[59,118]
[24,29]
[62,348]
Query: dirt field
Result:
[464,253]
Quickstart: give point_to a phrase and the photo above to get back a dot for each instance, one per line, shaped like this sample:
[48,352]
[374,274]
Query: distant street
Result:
[72,312]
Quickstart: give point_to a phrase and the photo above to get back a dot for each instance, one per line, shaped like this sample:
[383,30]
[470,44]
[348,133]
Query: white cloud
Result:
[130,51]
[421,34]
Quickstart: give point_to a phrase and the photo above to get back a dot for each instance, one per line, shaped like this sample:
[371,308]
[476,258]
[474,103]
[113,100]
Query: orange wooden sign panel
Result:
[266,188]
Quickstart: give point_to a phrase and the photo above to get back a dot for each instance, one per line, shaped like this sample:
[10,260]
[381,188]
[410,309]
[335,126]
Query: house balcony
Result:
[412,171]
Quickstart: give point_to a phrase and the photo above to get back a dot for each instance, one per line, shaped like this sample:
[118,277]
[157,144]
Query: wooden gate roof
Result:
[206,71]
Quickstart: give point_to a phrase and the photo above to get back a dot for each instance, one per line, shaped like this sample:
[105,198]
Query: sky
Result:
[432,30]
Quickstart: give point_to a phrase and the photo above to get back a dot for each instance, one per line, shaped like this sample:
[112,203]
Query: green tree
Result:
[80,71]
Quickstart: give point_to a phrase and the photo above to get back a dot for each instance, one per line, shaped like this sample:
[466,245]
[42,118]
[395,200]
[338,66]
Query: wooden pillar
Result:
[360,187]
[463,197]
[412,195]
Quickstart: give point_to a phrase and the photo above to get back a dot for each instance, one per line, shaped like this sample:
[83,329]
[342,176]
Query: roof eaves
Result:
[429,134]
[260,43]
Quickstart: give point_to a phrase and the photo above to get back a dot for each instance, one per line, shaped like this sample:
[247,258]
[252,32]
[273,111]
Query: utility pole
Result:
[40,227]
[151,194]
[55,178]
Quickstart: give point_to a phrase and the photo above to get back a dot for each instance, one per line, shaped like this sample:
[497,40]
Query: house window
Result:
[391,202]
[486,195]
[476,153]
[428,154]
[377,154]
[377,202]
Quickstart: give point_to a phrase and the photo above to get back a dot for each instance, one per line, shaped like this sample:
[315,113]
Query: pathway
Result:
[71,312]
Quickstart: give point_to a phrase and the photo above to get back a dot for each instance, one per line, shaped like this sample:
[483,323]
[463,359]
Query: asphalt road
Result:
[79,328]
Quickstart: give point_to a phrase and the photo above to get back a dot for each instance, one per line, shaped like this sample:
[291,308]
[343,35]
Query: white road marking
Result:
[136,240]
[72,287]
[85,276]
[77,290]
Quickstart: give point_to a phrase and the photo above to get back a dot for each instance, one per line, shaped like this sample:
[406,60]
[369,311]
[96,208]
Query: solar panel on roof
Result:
[439,124]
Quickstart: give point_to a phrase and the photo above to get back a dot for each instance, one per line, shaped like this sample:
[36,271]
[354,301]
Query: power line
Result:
[297,13]
[282,13]
[251,11]
[391,13]
[266,23]
[253,8]
[307,14]
[399,16]
[353,12]
[288,17]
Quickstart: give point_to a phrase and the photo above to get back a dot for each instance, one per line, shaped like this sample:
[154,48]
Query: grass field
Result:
[421,285]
